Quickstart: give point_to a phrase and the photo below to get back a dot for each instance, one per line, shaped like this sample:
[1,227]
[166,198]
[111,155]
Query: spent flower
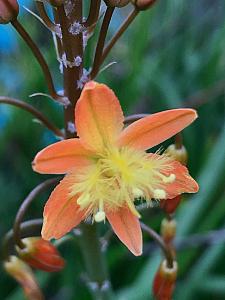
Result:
[107,168]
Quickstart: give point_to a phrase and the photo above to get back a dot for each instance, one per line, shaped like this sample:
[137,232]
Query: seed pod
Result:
[9,10]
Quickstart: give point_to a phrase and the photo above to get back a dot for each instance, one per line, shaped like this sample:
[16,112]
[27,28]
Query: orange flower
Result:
[107,167]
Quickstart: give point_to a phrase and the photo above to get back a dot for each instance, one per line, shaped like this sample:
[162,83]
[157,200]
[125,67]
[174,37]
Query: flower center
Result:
[120,176]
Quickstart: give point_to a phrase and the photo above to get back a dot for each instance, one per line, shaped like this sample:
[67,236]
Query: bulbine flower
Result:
[107,168]
[41,254]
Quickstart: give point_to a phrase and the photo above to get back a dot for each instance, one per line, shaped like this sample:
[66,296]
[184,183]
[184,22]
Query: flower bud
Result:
[170,205]
[23,274]
[9,10]
[164,281]
[179,154]
[143,4]
[116,3]
[41,254]
[168,230]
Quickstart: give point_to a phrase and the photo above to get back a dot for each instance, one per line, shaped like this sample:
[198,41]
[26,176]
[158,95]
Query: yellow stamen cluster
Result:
[118,177]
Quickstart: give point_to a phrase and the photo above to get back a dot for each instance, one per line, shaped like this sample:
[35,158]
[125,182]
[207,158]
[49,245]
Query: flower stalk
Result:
[93,13]
[73,47]
[35,112]
[24,206]
[119,33]
[41,60]
[97,275]
[45,18]
[27,228]
[160,242]
[89,240]
[101,42]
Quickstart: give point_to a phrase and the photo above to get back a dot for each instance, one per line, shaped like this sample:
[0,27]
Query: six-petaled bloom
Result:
[107,168]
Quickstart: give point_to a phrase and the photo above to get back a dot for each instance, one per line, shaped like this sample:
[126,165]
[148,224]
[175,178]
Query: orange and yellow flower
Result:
[107,167]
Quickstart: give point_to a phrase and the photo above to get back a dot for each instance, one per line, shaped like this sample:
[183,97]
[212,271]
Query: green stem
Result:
[98,280]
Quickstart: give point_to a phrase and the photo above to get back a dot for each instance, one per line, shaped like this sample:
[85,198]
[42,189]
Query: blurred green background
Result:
[172,56]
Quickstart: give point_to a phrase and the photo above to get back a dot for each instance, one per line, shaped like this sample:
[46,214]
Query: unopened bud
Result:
[168,230]
[170,205]
[116,3]
[143,4]
[9,10]
[23,274]
[179,154]
[56,2]
[41,254]
[164,281]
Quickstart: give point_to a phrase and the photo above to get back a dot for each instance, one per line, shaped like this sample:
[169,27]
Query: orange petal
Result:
[183,183]
[127,227]
[61,212]
[154,129]
[61,157]
[98,115]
